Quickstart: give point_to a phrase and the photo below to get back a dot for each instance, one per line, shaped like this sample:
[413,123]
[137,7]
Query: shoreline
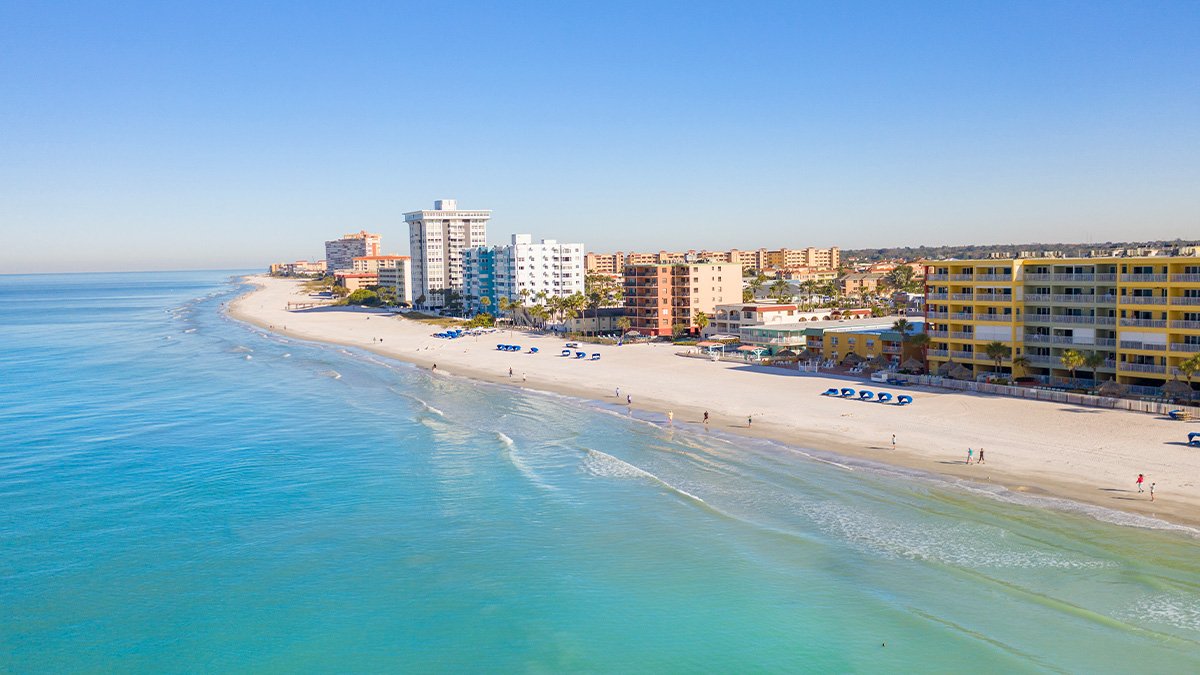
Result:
[1054,454]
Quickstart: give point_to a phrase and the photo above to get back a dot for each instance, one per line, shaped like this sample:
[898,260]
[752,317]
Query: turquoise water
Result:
[180,492]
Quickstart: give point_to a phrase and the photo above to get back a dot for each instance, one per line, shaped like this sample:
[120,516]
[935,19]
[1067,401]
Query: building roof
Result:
[380,257]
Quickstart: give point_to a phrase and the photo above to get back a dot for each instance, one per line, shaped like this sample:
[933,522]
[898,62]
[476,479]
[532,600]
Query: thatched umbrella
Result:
[946,368]
[961,372]
[852,359]
[879,361]
[786,354]
[1176,389]
[912,365]
[1113,388]
[808,355]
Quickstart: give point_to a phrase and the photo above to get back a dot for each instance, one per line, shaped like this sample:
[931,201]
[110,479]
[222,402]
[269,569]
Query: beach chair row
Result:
[866,395]
[515,348]
[579,355]
[449,334]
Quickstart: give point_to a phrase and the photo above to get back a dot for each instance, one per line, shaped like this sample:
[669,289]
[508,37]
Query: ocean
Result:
[183,492]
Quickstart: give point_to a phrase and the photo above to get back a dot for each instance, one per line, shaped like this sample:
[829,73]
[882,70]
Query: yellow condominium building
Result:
[1139,316]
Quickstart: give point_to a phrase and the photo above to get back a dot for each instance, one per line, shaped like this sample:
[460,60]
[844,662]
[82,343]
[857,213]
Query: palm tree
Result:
[1021,362]
[701,320]
[902,326]
[997,351]
[920,341]
[624,324]
[1093,362]
[779,289]
[1072,359]
[756,284]
[1190,367]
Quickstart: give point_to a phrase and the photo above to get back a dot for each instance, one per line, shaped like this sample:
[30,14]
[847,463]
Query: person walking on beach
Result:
[706,417]
[1152,492]
[749,420]
[980,461]
[523,377]
[1140,478]
[618,394]
[628,399]
[970,453]
[434,367]
[893,441]
[671,416]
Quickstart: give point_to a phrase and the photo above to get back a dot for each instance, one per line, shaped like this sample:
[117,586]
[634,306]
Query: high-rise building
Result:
[1138,317]
[660,296]
[340,253]
[523,270]
[436,242]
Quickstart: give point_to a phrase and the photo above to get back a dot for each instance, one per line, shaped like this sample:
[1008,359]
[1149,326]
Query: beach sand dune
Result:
[1084,454]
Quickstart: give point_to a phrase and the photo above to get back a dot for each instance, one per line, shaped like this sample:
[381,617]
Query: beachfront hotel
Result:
[660,296]
[759,259]
[1142,314]
[340,253]
[436,240]
[395,273]
[522,270]
[837,339]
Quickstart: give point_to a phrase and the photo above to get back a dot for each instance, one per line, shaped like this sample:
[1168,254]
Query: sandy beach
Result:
[1082,454]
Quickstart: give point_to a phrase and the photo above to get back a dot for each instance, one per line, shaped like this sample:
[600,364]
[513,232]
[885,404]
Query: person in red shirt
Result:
[1140,478]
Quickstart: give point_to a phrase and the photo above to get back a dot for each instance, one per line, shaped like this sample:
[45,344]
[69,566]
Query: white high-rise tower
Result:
[436,240]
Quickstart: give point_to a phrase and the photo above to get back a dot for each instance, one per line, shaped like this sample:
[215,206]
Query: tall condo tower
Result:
[436,242]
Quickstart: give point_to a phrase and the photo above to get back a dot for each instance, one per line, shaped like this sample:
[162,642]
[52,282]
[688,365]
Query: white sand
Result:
[1084,454]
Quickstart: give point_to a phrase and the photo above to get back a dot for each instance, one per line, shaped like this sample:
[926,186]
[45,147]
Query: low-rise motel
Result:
[1141,315]
[835,340]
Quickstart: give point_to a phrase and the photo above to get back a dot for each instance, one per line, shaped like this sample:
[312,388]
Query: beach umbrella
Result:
[945,368]
[852,359]
[808,354]
[786,354]
[1176,389]
[961,372]
[1113,388]
[633,333]
[912,365]
[879,361]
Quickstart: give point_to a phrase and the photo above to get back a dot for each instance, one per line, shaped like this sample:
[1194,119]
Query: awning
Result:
[708,343]
[749,348]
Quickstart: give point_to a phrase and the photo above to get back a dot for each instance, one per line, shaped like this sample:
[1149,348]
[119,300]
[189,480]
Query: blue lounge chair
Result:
[866,395]
[883,397]
[514,348]
[1194,438]
[566,352]
[832,391]
[572,345]
[533,350]
[595,357]
[847,392]
[581,355]
[1180,415]
[903,399]
[501,347]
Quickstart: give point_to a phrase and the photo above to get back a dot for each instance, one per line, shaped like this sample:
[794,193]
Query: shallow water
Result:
[168,504]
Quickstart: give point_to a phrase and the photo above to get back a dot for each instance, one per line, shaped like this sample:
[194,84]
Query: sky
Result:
[225,135]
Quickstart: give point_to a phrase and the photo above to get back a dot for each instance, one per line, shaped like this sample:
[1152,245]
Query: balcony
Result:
[1143,300]
[961,335]
[1039,360]
[1186,278]
[1186,325]
[962,297]
[1185,347]
[965,356]
[937,277]
[937,333]
[938,353]
[995,318]
[962,316]
[1147,346]
[1144,278]
[1142,368]
[937,315]
[1105,342]
[1037,297]
[937,296]
[1144,323]
[962,277]
[1043,276]
[1060,318]
[1077,299]
[993,277]
[993,297]
[1186,301]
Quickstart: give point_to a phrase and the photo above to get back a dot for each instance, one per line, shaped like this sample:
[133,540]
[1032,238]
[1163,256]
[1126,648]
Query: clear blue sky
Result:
[211,134]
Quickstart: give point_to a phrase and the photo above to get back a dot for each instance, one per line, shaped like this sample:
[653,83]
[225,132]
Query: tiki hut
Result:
[1112,388]
[961,372]
[913,366]
[808,355]
[945,369]
[879,361]
[1176,389]
[852,360]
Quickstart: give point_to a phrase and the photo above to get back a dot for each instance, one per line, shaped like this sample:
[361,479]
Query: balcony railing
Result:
[962,316]
[1144,323]
[937,296]
[1185,347]
[962,296]
[1186,325]
[1148,346]
[1037,297]
[961,335]
[993,277]
[1079,299]
[1105,342]
[937,315]
[1044,276]
[937,333]
[995,318]
[1143,299]
[1180,300]
[938,353]
[993,297]
[962,277]
[937,277]
[965,355]
[1144,278]
[1142,368]
[1059,318]
[1186,278]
